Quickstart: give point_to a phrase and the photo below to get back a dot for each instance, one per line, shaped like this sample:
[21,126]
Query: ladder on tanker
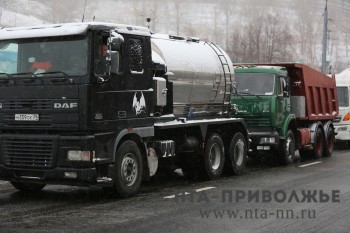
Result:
[227,75]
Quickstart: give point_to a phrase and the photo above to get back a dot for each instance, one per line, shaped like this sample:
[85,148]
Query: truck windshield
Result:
[254,83]
[343,96]
[40,56]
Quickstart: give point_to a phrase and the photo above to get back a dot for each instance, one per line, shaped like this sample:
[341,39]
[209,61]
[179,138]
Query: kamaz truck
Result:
[286,107]
[109,105]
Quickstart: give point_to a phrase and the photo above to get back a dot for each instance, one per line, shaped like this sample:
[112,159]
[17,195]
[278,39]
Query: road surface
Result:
[266,198]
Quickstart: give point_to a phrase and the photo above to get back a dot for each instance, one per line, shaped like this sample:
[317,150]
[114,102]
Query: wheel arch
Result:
[289,124]
[136,135]
[313,129]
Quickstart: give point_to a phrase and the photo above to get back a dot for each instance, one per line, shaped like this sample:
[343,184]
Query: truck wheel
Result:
[237,154]
[329,145]
[214,156]
[318,146]
[287,151]
[29,187]
[128,166]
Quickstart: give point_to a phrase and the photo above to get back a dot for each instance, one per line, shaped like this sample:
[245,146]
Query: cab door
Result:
[283,101]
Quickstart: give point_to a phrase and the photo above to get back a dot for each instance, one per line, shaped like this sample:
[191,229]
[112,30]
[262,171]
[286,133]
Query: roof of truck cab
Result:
[66,29]
[343,78]
[262,69]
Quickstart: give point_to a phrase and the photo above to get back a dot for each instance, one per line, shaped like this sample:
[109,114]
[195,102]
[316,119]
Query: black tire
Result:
[214,157]
[237,154]
[128,165]
[330,142]
[27,187]
[287,149]
[318,146]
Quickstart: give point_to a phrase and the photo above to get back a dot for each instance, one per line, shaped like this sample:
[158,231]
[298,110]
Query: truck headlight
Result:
[267,140]
[78,155]
[343,128]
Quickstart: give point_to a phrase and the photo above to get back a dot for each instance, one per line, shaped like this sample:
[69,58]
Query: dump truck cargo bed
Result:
[313,94]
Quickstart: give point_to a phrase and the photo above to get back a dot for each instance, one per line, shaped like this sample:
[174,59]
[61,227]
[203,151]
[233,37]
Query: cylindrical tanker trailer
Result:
[198,79]
[107,104]
[201,74]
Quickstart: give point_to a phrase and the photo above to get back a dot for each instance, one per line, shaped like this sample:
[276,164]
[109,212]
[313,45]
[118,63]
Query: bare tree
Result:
[226,8]
[3,4]
[307,33]
[264,39]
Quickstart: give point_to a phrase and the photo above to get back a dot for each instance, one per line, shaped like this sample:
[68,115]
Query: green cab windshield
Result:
[40,56]
[255,83]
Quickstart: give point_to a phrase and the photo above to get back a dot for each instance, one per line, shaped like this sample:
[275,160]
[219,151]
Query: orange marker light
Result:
[347,117]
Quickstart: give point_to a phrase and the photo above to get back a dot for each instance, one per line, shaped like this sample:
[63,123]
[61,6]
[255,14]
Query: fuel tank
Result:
[201,73]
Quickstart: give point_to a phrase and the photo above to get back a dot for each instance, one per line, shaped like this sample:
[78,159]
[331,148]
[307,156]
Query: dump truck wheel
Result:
[287,149]
[318,146]
[237,154]
[329,145]
[29,187]
[128,167]
[214,156]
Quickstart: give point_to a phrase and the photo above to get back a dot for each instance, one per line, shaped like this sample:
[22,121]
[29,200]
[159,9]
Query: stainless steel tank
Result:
[201,73]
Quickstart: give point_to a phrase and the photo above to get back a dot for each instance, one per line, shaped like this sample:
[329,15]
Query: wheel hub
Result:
[215,156]
[129,169]
[239,152]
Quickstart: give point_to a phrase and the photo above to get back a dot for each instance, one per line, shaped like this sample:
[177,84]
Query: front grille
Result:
[29,153]
[33,104]
[257,121]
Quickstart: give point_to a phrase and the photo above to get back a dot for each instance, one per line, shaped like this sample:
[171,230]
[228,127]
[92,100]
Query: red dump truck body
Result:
[313,94]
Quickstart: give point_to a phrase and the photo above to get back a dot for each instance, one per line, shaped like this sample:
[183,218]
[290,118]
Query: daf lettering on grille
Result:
[65,105]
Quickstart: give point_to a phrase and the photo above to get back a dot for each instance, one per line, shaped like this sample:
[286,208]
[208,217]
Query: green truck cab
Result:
[278,105]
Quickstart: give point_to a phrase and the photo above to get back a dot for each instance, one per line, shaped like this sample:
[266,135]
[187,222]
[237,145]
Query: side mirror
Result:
[114,62]
[115,43]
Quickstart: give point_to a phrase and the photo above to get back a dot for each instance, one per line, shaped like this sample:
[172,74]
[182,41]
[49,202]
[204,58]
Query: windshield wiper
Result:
[57,80]
[54,72]
[8,75]
[241,93]
[7,80]
[29,80]
[24,73]
[244,93]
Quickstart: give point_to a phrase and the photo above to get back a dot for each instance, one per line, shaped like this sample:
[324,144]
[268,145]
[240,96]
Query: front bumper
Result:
[84,176]
[256,144]
[43,159]
[342,132]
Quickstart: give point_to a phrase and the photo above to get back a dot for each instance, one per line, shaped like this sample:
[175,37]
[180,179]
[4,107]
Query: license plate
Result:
[26,117]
